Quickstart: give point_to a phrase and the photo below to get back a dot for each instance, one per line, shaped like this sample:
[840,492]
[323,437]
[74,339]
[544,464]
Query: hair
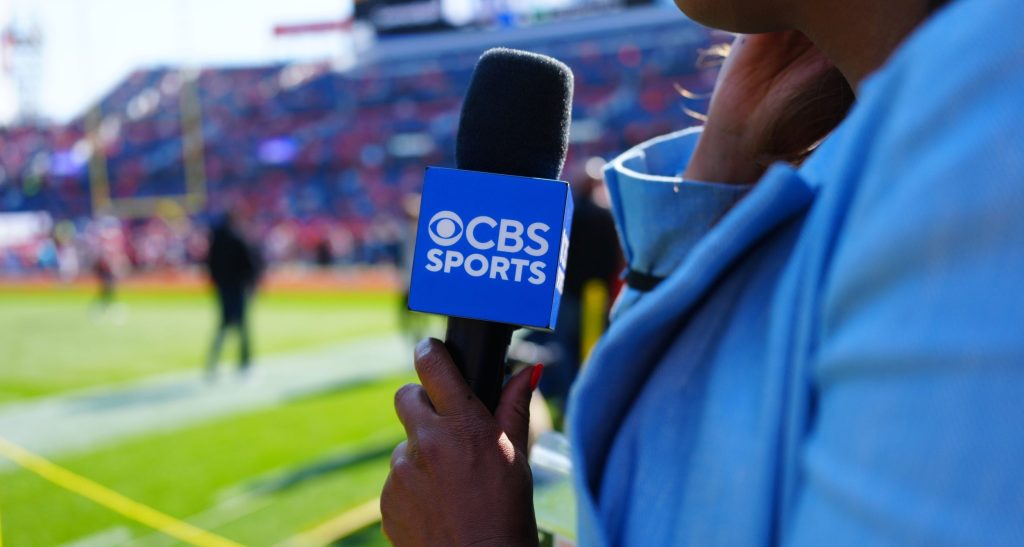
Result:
[820,110]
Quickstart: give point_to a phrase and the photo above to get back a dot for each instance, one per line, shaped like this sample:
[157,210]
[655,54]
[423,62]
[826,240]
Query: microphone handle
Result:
[479,349]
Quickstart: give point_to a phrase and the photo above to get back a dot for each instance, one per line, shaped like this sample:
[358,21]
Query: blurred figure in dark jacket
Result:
[591,270]
[234,269]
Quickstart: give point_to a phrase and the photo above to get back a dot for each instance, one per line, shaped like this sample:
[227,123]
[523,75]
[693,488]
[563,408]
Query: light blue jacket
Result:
[839,360]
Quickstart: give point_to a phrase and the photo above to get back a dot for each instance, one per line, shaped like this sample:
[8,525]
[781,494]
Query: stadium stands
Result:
[311,154]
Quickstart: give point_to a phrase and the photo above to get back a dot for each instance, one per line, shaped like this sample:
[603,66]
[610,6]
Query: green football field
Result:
[264,473]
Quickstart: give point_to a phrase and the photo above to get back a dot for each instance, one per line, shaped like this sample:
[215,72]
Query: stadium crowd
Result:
[313,158]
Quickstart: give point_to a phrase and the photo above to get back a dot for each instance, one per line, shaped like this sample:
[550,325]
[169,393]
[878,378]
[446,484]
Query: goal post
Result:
[194,198]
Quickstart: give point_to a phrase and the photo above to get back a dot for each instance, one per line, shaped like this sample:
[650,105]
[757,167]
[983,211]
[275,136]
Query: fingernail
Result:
[538,369]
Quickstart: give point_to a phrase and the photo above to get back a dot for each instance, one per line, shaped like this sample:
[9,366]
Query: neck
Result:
[859,36]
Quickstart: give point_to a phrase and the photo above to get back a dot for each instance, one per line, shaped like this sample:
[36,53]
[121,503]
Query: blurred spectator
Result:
[413,324]
[324,257]
[590,280]
[104,271]
[234,270]
[106,247]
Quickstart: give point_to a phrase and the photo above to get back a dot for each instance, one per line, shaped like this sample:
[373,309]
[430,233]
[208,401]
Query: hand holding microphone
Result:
[462,477]
[490,254]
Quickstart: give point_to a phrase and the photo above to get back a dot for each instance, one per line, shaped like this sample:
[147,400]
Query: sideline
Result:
[377,281]
[110,499]
[337,527]
[88,419]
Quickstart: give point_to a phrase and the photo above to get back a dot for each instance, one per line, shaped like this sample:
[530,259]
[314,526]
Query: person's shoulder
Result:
[951,93]
[958,77]
[933,144]
[968,47]
[973,24]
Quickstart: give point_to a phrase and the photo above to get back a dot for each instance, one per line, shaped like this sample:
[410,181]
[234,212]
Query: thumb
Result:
[513,412]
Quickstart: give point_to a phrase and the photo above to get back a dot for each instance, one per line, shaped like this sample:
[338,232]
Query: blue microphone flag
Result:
[491,247]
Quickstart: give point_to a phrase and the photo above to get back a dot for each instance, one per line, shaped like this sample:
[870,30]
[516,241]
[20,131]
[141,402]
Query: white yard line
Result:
[91,418]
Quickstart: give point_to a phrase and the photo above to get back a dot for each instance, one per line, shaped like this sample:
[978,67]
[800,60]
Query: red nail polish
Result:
[538,369]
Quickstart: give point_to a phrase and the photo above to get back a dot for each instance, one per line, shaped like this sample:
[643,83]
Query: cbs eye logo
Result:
[445,228]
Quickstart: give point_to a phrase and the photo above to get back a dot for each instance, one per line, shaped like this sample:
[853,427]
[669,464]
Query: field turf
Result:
[257,477]
[59,340]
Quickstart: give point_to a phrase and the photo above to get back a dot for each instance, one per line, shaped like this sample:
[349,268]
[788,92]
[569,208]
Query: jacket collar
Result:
[622,360]
[656,209]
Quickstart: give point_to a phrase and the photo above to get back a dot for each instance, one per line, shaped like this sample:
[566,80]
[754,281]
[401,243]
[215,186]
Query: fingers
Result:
[389,498]
[447,390]
[413,407]
[513,412]
[398,454]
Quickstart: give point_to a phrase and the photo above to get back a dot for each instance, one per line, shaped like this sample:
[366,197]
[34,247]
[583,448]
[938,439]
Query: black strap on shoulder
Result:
[641,281]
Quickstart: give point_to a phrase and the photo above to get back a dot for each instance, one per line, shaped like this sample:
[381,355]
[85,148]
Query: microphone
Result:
[492,257]
[515,118]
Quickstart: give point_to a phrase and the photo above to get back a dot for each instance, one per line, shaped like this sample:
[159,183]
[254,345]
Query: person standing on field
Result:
[234,269]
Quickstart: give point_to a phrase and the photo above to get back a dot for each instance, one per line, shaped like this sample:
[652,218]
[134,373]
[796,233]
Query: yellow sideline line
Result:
[338,527]
[110,499]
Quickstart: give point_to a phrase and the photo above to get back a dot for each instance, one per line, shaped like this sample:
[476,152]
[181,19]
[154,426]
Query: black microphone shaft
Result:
[478,349]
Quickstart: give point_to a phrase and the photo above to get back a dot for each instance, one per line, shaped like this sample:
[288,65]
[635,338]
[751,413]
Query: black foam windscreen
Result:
[515,118]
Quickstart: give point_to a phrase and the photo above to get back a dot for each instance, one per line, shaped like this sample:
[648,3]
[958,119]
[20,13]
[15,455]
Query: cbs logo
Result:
[485,233]
[445,228]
